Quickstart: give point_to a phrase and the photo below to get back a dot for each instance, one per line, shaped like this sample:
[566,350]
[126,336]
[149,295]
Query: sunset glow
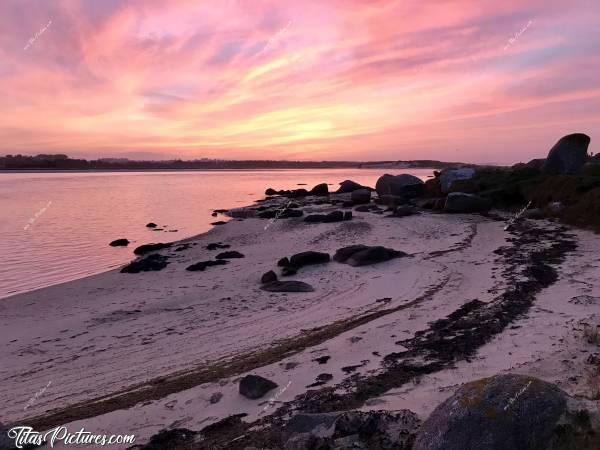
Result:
[461,80]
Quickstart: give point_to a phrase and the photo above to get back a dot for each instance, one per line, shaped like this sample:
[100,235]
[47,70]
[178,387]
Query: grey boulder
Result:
[404,185]
[514,412]
[448,176]
[568,155]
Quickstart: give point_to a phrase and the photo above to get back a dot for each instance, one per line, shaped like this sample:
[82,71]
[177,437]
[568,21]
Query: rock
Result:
[382,430]
[334,216]
[348,186]
[283,262]
[314,218]
[360,196]
[154,262]
[268,277]
[254,386]
[459,202]
[497,413]
[287,286]
[404,185]
[214,214]
[361,255]
[202,265]
[534,213]
[270,191]
[347,204]
[403,211]
[169,439]
[147,248]
[568,155]
[322,359]
[216,245]
[347,215]
[448,176]
[151,225]
[295,193]
[289,271]
[537,163]
[320,190]
[219,222]
[215,398]
[229,255]
[392,200]
[289,213]
[119,243]
[308,258]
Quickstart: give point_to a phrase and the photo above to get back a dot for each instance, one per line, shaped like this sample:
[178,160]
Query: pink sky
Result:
[308,80]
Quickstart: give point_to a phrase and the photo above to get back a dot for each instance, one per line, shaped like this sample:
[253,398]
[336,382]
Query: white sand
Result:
[101,334]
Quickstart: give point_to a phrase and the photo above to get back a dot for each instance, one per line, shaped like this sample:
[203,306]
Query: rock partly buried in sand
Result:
[270,191]
[459,202]
[119,243]
[404,185]
[165,439]
[149,263]
[403,211]
[254,386]
[568,155]
[382,430]
[308,258]
[216,245]
[268,277]
[360,196]
[348,186]
[287,286]
[219,222]
[362,255]
[286,213]
[448,176]
[202,265]
[229,255]
[151,225]
[334,216]
[320,190]
[283,262]
[147,248]
[497,413]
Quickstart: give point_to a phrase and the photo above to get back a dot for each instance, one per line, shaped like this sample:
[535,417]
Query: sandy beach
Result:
[139,353]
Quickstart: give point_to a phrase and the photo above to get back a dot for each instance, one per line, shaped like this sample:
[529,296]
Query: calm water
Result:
[56,227]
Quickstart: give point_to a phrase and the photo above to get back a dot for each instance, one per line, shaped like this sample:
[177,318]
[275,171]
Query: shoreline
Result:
[202,315]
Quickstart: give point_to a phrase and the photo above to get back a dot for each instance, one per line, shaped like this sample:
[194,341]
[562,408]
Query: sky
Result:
[483,81]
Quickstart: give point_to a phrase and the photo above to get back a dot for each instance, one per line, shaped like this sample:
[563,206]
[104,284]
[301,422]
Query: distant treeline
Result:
[63,162]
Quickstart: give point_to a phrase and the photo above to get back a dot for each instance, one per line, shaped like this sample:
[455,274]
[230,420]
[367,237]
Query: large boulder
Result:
[404,185]
[502,412]
[348,186]
[255,386]
[448,176]
[360,196]
[568,155]
[459,202]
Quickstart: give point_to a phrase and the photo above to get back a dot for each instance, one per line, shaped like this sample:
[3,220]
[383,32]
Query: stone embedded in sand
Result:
[268,277]
[403,211]
[347,215]
[229,255]
[147,248]
[334,216]
[322,359]
[320,189]
[459,202]
[308,258]
[568,155]
[254,386]
[151,225]
[152,262]
[497,413]
[360,196]
[404,185]
[287,286]
[215,398]
[219,222]
[361,255]
[202,265]
[216,245]
[283,262]
[119,243]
